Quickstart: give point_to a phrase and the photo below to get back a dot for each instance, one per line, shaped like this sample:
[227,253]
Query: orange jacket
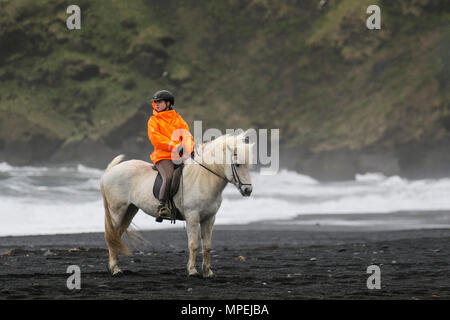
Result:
[166,131]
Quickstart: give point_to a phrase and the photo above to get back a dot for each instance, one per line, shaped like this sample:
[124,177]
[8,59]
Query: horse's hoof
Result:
[115,272]
[194,275]
[209,275]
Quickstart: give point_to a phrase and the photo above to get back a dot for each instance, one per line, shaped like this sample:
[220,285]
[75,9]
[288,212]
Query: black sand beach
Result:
[254,261]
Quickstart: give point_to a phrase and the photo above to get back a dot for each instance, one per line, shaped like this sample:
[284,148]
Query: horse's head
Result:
[238,160]
[230,156]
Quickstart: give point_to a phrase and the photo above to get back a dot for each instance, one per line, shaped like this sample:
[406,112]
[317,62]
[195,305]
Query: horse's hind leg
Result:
[113,248]
[124,216]
[113,253]
[206,233]
[128,217]
[113,268]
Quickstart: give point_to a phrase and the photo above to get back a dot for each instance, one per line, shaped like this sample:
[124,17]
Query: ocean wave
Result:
[370,177]
[32,170]
[61,200]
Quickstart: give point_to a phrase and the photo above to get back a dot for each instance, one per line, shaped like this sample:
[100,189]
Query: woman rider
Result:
[172,142]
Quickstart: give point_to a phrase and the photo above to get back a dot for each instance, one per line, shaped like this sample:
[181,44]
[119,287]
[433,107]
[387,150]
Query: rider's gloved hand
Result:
[193,151]
[180,150]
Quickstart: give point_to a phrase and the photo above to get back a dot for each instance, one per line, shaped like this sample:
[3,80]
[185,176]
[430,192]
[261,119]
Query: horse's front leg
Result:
[206,232]
[192,233]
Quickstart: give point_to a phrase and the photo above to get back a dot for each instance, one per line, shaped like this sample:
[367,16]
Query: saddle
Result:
[177,174]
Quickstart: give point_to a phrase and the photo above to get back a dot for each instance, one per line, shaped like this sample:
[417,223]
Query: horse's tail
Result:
[115,161]
[112,236]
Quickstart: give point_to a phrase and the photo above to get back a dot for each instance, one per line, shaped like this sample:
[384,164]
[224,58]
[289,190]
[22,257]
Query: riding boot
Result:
[163,212]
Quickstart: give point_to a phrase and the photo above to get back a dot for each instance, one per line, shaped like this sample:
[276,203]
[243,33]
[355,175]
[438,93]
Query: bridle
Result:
[236,178]
[238,183]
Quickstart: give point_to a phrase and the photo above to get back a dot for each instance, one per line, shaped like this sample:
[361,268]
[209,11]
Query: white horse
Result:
[128,186]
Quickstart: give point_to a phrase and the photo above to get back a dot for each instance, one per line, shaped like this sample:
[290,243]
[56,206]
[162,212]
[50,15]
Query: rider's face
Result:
[160,105]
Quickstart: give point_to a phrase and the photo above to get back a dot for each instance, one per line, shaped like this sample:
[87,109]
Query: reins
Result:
[233,170]
[212,171]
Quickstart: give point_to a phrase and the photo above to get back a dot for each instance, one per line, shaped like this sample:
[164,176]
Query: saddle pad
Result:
[178,170]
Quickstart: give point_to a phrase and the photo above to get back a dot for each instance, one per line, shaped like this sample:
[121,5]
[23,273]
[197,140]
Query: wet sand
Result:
[257,261]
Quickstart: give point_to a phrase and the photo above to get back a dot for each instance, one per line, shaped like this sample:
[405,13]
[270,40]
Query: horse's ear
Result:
[244,137]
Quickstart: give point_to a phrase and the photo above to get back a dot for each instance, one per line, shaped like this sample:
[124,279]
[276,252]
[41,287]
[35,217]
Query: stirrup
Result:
[163,213]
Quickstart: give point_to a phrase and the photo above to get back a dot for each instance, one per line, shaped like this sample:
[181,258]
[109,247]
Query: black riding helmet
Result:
[164,95]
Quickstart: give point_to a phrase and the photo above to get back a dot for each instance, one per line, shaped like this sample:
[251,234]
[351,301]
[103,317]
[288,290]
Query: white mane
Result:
[230,145]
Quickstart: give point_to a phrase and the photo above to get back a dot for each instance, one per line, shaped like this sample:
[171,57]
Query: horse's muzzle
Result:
[246,191]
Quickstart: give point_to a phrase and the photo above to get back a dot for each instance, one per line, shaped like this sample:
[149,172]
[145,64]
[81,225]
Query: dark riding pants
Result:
[165,167]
